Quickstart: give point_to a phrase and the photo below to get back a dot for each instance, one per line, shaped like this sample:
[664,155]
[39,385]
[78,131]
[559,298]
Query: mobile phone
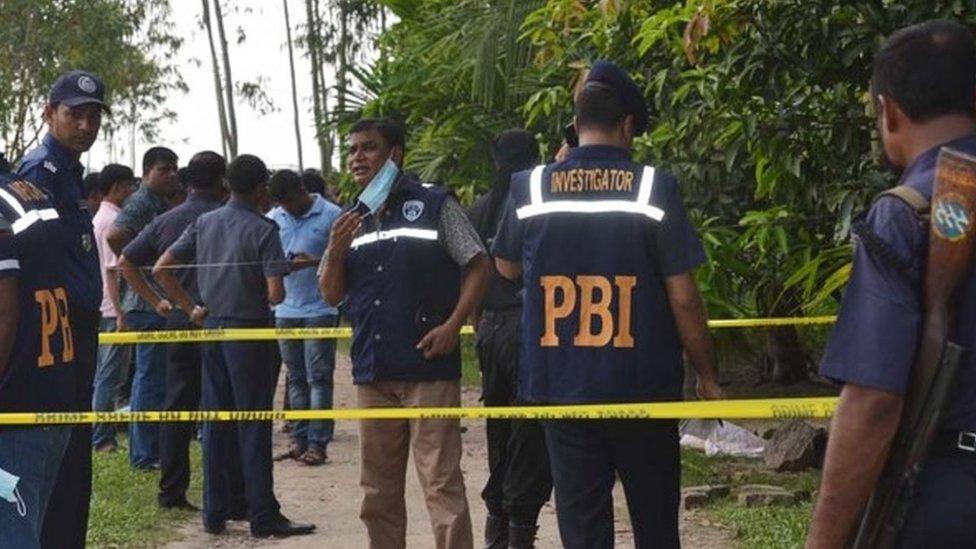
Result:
[570,135]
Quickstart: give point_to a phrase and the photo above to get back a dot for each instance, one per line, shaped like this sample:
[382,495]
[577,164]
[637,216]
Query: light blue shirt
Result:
[306,234]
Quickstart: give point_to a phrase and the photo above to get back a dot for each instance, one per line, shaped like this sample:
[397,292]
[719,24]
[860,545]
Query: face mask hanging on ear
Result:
[8,491]
[378,189]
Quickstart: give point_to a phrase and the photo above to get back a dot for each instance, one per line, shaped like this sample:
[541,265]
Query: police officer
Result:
[606,252]
[37,356]
[519,481]
[923,88]
[237,292]
[73,114]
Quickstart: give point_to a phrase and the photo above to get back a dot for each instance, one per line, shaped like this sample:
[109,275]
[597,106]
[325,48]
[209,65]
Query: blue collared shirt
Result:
[877,333]
[56,169]
[306,234]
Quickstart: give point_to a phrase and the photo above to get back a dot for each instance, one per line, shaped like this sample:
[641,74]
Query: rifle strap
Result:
[910,196]
[875,244]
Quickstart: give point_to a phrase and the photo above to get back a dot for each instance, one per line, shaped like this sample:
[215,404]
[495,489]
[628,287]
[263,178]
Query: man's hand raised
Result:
[343,232]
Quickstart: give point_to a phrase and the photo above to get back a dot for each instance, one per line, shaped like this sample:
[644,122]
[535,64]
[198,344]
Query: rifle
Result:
[952,240]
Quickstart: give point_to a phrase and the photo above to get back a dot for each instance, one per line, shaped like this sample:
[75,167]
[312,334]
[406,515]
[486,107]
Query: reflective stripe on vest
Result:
[538,206]
[26,219]
[406,232]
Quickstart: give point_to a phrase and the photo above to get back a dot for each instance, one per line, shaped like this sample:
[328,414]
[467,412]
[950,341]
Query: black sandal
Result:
[314,456]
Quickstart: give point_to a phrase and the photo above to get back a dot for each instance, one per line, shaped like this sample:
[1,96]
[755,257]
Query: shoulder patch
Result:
[412,209]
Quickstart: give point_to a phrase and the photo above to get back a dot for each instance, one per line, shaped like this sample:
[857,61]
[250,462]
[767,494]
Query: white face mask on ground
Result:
[8,491]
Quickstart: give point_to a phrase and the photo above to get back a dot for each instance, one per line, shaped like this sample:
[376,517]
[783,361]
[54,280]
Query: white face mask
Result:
[8,491]
[378,189]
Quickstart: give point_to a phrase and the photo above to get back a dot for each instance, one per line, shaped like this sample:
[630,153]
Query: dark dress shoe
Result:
[281,527]
[182,505]
[214,528]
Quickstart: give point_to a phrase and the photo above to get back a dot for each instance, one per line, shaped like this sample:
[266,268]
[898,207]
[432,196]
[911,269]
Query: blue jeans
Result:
[148,389]
[110,374]
[311,364]
[34,455]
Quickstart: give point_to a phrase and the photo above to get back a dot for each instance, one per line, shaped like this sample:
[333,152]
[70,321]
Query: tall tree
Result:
[294,88]
[226,137]
[313,42]
[228,82]
[130,45]
[339,34]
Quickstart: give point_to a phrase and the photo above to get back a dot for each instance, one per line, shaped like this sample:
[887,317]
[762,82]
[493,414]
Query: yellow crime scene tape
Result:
[773,408]
[270,334]
[776,408]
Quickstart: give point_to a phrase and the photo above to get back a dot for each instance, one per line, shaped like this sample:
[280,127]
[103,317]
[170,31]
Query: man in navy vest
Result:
[606,253]
[37,355]
[408,268]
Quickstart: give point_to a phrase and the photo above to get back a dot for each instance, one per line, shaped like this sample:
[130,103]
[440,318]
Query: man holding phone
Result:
[408,268]
[304,221]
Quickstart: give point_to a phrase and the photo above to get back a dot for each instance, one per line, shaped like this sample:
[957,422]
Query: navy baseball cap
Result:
[76,88]
[612,76]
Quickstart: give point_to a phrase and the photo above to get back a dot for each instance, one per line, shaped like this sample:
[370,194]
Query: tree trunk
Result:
[341,56]
[294,89]
[319,90]
[228,83]
[787,361]
[218,87]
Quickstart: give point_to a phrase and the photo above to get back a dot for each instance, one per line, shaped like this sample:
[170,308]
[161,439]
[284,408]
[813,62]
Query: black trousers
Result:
[237,376]
[942,514]
[587,456]
[66,521]
[183,374]
[519,481]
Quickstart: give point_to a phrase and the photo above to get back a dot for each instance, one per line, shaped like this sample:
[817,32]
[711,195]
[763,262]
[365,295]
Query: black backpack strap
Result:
[878,247]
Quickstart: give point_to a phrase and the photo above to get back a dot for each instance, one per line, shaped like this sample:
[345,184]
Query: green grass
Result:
[470,373]
[124,512]
[754,527]
[765,527]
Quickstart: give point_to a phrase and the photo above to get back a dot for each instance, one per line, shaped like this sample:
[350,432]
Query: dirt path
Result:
[329,496]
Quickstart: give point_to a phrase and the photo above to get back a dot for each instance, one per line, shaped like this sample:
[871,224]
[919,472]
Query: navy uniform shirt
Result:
[39,374]
[137,212]
[56,170]
[237,248]
[878,329]
[502,293]
[596,239]
[166,229]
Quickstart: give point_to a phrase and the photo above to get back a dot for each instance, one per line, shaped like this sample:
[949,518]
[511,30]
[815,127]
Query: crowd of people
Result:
[579,274]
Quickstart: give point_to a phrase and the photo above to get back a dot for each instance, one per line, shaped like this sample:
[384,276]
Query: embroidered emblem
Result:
[49,166]
[86,242]
[86,84]
[412,209]
[950,219]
